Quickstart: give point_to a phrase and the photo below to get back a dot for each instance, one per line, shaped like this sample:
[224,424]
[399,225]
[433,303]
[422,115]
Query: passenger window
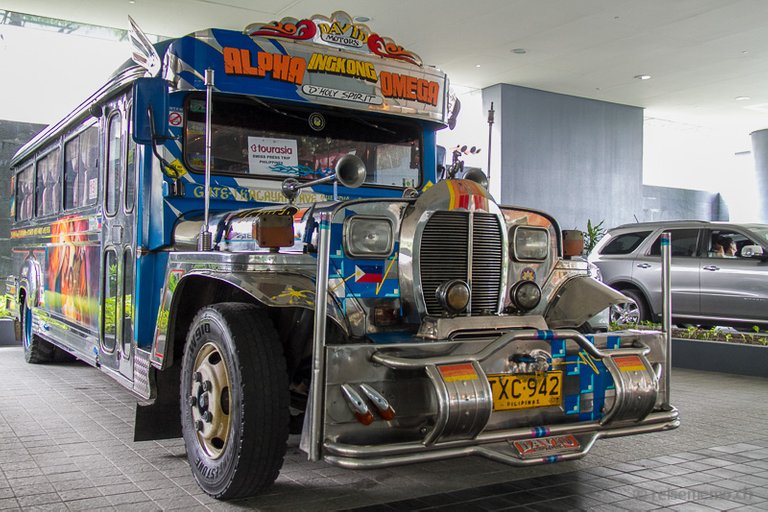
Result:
[114,164]
[128,280]
[130,176]
[25,194]
[626,243]
[110,300]
[48,184]
[684,243]
[726,244]
[81,166]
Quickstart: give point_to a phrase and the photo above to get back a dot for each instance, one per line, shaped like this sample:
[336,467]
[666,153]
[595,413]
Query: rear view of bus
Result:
[251,230]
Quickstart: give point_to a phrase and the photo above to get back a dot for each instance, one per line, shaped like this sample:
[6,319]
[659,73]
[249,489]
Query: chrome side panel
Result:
[274,279]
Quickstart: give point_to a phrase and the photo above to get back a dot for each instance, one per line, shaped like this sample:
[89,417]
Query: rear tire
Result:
[629,313]
[234,400]
[36,349]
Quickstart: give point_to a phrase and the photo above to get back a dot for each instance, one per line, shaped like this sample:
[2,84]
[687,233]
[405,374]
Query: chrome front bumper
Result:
[439,416]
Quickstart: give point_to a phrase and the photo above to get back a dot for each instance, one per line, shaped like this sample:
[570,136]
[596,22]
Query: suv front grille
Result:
[445,247]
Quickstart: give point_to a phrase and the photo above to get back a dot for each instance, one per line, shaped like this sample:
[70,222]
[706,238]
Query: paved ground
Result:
[66,444]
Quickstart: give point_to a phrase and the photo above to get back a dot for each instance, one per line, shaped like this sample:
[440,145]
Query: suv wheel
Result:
[630,312]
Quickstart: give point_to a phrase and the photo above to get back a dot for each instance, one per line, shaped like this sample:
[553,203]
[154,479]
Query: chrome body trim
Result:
[315,405]
[444,328]
[492,447]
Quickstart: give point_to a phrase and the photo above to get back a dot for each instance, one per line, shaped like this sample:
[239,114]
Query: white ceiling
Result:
[701,54]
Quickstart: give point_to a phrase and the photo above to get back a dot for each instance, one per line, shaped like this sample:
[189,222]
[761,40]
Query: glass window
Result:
[114,164]
[255,138]
[726,243]
[81,169]
[127,301]
[684,243]
[130,176]
[110,300]
[625,244]
[48,184]
[71,169]
[25,194]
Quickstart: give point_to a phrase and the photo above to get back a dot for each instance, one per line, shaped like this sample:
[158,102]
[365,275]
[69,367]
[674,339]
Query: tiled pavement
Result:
[66,444]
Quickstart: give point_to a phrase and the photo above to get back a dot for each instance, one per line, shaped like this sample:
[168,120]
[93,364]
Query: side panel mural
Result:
[71,270]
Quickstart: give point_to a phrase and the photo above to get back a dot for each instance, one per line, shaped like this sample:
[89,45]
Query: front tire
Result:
[36,350]
[234,400]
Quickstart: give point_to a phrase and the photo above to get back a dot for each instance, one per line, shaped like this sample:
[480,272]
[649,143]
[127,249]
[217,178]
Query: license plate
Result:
[511,392]
[547,446]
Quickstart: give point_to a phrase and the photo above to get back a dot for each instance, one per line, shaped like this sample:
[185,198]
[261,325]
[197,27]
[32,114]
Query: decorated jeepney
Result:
[268,244]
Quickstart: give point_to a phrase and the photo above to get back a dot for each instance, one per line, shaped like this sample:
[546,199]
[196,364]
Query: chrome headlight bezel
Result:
[517,294]
[352,247]
[520,249]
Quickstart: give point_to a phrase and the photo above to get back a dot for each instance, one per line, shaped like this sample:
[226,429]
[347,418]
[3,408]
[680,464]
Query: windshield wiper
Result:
[373,125]
[274,109]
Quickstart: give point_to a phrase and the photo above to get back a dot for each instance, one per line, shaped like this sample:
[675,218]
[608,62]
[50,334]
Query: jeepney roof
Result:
[330,61]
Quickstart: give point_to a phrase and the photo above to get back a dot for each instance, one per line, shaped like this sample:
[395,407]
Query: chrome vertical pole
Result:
[204,241]
[318,339]
[666,309]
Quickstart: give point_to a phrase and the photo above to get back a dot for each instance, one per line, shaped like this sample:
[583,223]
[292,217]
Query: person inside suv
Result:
[724,247]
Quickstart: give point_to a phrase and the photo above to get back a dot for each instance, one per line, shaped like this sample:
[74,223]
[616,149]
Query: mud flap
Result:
[162,418]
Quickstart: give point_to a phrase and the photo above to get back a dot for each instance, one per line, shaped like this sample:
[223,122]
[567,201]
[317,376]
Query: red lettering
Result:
[296,73]
[265,62]
[237,61]
[394,85]
[232,61]
[280,67]
[245,55]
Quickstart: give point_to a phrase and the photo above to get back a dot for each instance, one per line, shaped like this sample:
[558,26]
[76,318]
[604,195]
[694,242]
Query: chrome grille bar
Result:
[447,251]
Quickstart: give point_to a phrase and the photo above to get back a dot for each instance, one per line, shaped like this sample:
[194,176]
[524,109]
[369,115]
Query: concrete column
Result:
[760,152]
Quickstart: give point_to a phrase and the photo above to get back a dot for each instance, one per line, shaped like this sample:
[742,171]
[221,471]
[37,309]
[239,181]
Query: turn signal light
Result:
[273,231]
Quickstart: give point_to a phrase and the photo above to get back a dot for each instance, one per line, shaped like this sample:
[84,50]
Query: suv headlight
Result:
[529,244]
[368,237]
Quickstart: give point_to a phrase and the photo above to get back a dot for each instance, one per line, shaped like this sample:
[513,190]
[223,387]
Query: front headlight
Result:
[368,237]
[525,295]
[529,244]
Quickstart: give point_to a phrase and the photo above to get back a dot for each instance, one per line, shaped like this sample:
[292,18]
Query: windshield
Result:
[762,231]
[251,137]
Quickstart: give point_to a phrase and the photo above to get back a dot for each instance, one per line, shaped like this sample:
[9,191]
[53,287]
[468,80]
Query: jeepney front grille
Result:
[444,254]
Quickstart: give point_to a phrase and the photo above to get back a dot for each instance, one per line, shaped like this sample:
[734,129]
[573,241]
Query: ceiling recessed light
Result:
[477,65]
[520,51]
[361,19]
[643,77]
[742,98]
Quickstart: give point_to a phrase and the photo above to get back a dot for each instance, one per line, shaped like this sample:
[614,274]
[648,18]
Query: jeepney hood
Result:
[453,231]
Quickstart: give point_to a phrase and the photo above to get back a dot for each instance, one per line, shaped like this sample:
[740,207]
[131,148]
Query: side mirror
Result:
[752,251]
[150,110]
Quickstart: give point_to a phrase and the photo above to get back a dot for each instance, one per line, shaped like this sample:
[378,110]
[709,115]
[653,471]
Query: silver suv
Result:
[719,271]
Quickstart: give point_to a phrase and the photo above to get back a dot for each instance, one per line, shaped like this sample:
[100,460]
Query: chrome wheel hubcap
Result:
[210,400]
[627,313]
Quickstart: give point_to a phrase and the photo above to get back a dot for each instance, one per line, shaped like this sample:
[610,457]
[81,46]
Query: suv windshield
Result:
[251,137]
[762,231]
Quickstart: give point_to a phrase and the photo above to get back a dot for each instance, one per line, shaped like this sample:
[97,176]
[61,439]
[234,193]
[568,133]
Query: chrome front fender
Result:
[272,289]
